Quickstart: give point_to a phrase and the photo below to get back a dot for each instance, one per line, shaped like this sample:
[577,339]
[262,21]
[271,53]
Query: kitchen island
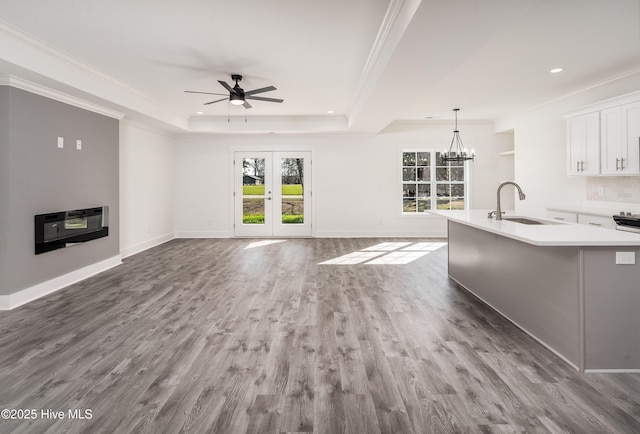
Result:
[559,282]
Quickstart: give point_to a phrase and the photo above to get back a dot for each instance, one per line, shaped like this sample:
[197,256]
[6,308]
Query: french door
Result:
[272,192]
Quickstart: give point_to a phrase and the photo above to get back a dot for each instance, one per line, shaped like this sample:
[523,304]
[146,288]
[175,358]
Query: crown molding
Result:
[69,59]
[20,83]
[395,22]
[30,53]
[630,97]
[388,23]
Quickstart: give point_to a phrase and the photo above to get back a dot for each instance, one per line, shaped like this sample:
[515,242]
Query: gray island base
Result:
[574,299]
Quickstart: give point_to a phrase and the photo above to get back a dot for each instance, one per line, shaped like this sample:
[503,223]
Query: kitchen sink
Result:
[529,221]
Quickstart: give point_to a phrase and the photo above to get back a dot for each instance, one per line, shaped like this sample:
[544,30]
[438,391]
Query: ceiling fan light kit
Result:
[237,95]
[236,99]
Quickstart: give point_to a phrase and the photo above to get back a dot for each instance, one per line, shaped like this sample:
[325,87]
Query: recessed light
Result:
[556,70]
[330,112]
[199,113]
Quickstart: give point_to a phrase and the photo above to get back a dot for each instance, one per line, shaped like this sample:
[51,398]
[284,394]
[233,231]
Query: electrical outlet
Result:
[625,258]
[60,142]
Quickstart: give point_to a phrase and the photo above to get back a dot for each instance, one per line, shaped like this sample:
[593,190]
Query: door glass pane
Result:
[292,173]
[253,179]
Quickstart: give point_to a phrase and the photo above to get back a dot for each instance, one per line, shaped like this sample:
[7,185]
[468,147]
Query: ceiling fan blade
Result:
[264,89]
[218,100]
[206,93]
[226,86]
[260,98]
[246,105]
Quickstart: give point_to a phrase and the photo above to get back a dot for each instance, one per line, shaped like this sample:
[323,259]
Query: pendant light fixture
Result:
[457,152]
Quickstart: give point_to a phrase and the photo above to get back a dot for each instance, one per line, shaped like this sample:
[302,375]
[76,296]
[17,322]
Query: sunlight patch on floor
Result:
[386,247]
[263,243]
[424,247]
[386,254]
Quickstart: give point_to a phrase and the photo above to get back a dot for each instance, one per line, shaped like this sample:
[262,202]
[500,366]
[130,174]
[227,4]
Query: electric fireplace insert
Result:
[67,228]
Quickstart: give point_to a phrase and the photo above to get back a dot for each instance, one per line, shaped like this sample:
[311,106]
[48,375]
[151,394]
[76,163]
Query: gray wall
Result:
[4,183]
[42,178]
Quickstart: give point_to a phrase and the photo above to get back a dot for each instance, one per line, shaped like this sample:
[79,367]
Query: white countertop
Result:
[604,209]
[584,210]
[554,234]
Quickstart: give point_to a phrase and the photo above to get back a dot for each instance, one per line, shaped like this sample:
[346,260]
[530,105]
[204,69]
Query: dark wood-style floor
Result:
[207,336]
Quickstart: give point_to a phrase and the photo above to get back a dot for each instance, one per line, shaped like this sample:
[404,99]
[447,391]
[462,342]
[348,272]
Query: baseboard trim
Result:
[381,234]
[12,301]
[203,234]
[141,247]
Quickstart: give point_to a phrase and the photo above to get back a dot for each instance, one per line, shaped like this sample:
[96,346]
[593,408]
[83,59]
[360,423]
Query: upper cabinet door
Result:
[583,144]
[611,141]
[631,131]
[620,140]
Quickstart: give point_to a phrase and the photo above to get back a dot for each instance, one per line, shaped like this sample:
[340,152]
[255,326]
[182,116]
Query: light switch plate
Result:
[78,144]
[625,258]
[60,142]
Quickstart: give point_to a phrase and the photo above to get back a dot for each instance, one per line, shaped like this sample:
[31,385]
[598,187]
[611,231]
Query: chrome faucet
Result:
[498,210]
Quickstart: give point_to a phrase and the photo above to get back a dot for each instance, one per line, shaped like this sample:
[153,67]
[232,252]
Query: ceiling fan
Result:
[237,95]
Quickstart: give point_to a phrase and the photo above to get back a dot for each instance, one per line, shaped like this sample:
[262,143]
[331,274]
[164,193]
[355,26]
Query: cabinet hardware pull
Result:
[595,224]
[622,164]
[617,162]
[577,166]
[559,218]
[582,166]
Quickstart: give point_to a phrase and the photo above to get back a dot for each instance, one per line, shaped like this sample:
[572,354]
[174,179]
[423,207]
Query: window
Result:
[429,183]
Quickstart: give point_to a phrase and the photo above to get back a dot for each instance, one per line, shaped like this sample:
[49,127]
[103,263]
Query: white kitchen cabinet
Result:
[597,220]
[564,216]
[602,220]
[583,144]
[620,140]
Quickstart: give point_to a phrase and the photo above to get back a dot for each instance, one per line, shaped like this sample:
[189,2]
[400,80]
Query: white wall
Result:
[146,187]
[356,180]
[540,148]
[203,200]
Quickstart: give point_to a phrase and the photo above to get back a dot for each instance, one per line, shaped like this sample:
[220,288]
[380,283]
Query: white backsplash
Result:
[624,189]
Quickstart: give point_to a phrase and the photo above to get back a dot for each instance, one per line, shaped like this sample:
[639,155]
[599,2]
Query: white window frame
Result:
[433,150]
